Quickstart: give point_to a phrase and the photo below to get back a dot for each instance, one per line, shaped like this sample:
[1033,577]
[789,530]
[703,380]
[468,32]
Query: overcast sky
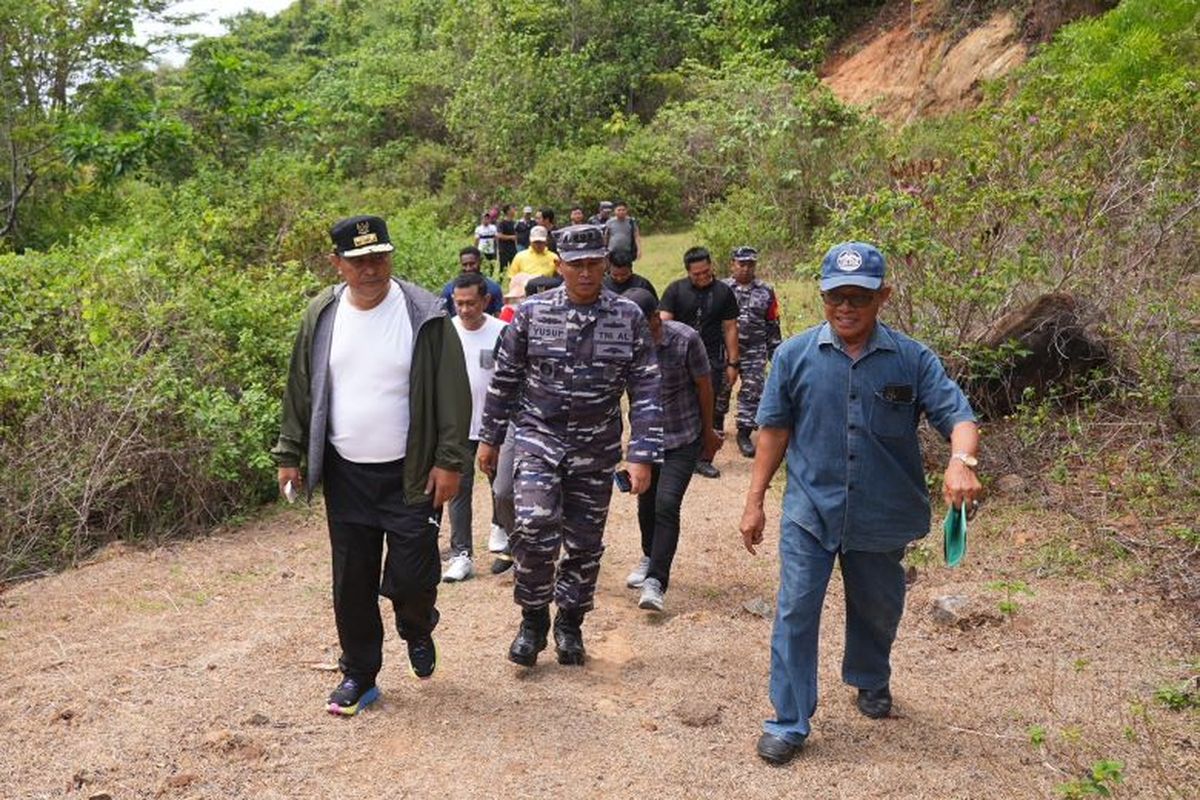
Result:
[213,11]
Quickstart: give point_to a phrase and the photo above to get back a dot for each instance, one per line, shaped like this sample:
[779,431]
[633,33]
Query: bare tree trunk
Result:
[18,187]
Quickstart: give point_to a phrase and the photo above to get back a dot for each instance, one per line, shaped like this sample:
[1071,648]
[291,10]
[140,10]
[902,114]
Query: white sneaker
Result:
[459,568]
[638,575]
[497,539]
[652,595]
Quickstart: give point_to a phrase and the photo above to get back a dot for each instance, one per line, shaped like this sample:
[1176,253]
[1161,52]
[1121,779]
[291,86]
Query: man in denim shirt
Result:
[842,402]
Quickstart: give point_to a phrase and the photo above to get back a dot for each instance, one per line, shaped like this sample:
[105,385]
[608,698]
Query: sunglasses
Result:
[856,300]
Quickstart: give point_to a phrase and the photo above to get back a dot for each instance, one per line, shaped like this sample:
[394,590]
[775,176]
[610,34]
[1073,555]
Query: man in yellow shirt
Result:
[537,260]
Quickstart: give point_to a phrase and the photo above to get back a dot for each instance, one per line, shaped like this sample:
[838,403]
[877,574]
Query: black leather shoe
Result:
[707,469]
[745,445]
[775,750]
[875,703]
[568,637]
[501,563]
[531,637]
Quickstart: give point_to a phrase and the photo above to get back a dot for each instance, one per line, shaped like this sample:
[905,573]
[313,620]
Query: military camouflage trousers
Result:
[558,509]
[751,377]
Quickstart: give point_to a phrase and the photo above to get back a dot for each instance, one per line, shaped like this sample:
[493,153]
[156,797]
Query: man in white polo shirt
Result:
[378,406]
[479,333]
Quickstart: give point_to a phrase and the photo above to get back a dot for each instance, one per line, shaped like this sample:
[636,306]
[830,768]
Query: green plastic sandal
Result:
[954,541]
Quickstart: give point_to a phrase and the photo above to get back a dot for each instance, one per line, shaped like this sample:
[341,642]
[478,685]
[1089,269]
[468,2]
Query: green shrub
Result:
[141,368]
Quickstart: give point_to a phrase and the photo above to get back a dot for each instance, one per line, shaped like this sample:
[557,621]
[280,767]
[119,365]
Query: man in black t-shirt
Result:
[620,277]
[545,218]
[523,226]
[709,306]
[506,236]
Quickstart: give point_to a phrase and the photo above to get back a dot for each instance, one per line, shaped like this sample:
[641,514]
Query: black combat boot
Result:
[568,638]
[531,636]
[745,445]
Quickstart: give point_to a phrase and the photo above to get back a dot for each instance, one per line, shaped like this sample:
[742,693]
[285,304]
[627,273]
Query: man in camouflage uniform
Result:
[758,336]
[563,364]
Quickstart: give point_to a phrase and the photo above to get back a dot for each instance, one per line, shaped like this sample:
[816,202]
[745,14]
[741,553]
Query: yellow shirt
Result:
[529,262]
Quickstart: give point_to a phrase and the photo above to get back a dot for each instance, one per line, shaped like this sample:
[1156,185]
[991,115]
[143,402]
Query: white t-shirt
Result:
[369,363]
[478,349]
[486,234]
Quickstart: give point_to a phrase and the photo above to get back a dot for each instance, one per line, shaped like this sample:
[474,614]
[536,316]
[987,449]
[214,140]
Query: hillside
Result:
[916,60]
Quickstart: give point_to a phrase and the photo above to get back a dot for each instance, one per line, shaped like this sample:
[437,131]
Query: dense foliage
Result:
[169,223]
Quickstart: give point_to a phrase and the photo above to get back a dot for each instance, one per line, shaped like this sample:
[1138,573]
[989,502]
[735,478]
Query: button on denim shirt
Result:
[855,478]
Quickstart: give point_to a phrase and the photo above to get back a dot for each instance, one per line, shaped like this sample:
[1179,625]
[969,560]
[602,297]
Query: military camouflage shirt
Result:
[560,372]
[758,316]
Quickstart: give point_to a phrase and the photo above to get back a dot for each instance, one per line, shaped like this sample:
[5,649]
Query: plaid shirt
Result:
[682,360]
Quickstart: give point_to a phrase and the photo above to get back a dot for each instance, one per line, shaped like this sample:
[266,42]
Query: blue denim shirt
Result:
[855,478]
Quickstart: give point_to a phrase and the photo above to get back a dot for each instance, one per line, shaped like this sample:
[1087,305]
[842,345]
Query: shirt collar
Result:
[605,302]
[881,338]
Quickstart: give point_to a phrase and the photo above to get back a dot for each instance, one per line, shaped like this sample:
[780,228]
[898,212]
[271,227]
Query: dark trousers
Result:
[659,506]
[461,517]
[366,509]
[717,366]
[504,512]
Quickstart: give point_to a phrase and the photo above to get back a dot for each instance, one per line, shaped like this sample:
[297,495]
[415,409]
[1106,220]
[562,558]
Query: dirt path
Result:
[199,671]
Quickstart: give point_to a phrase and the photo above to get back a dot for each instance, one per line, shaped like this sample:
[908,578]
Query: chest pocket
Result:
[893,413]
[548,335]
[613,341]
[671,358]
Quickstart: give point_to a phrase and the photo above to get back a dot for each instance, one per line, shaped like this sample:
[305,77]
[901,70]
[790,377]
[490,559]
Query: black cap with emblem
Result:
[745,253]
[358,236]
[577,242]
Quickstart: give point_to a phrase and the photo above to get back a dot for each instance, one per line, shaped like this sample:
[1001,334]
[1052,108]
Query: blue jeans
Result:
[874,586]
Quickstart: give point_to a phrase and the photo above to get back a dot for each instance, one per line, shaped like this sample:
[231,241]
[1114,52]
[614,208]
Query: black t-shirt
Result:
[508,227]
[635,282]
[704,309]
[523,227]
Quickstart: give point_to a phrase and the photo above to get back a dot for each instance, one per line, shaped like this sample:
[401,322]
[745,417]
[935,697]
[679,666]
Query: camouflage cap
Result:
[576,242]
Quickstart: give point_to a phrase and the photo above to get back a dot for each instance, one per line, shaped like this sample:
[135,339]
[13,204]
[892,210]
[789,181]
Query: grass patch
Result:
[662,262]
[662,257]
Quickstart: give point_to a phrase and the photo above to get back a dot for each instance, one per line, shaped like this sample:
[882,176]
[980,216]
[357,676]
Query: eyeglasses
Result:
[856,300]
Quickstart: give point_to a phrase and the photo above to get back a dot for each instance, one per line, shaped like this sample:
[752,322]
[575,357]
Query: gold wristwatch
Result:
[968,459]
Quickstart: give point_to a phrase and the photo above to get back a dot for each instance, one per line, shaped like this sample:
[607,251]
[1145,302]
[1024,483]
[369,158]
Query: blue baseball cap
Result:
[852,264]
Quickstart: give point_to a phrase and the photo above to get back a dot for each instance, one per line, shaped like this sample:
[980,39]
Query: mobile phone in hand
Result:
[622,481]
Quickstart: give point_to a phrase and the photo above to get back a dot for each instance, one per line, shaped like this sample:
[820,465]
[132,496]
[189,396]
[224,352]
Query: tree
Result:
[48,49]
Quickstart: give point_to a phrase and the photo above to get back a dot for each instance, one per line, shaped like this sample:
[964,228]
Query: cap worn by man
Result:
[852,264]
[360,236]
[577,242]
[538,233]
[745,253]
